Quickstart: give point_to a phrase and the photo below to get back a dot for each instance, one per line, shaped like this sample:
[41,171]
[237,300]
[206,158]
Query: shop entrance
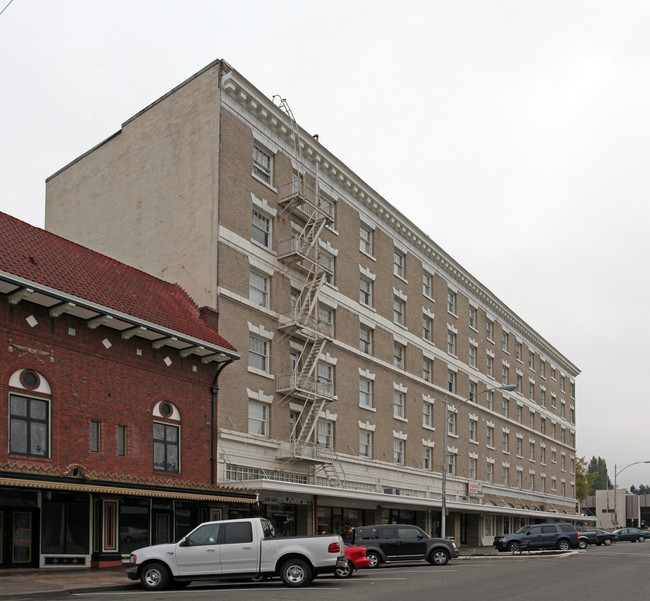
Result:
[19,536]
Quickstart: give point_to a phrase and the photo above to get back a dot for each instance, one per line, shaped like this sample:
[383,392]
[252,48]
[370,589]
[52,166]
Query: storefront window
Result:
[65,523]
[134,524]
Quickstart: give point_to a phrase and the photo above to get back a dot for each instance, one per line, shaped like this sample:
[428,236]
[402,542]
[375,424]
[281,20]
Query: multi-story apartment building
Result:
[361,338]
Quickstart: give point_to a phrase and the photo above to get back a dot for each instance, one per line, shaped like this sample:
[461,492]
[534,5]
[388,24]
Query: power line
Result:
[6,7]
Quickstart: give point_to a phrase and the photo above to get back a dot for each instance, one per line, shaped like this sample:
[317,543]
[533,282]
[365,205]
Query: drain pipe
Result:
[214,391]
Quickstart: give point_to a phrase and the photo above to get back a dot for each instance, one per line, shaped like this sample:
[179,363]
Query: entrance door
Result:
[19,536]
[162,527]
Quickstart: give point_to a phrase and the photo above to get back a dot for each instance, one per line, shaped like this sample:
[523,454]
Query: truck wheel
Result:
[374,558]
[514,547]
[438,557]
[345,572]
[582,544]
[155,576]
[563,545]
[296,572]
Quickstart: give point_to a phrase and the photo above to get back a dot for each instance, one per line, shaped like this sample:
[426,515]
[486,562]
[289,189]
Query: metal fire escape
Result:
[302,256]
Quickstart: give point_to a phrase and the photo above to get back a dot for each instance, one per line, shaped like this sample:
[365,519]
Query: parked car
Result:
[236,549]
[595,536]
[561,535]
[356,558]
[402,542]
[632,534]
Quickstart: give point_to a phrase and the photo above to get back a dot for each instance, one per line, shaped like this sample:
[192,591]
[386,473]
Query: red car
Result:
[356,556]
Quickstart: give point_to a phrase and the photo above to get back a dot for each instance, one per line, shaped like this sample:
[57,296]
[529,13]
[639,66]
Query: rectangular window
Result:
[505,475]
[489,366]
[542,455]
[261,229]
[451,343]
[166,448]
[366,240]
[258,418]
[518,350]
[489,399]
[451,302]
[451,464]
[427,414]
[542,368]
[451,380]
[427,369]
[262,164]
[326,320]
[473,427]
[505,405]
[427,284]
[473,468]
[531,451]
[399,403]
[427,328]
[531,391]
[427,458]
[399,309]
[325,378]
[121,441]
[489,438]
[94,436]
[473,320]
[520,447]
[365,291]
[328,207]
[504,341]
[505,374]
[472,355]
[473,390]
[398,451]
[365,392]
[531,360]
[506,442]
[452,423]
[519,478]
[398,356]
[489,475]
[365,339]
[365,443]
[326,261]
[29,426]
[489,329]
[258,288]
[325,437]
[399,263]
[258,356]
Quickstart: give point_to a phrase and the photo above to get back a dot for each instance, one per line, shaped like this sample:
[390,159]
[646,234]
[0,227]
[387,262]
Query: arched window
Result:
[29,414]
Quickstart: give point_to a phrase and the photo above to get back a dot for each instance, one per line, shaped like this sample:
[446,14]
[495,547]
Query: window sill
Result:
[259,372]
[400,419]
[363,252]
[261,181]
[367,408]
[431,428]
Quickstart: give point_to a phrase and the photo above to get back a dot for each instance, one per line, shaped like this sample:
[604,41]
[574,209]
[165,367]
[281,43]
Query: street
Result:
[599,573]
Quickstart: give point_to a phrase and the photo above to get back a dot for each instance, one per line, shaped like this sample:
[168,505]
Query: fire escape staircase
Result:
[302,257]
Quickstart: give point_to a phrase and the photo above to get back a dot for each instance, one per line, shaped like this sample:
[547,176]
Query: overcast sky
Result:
[515,133]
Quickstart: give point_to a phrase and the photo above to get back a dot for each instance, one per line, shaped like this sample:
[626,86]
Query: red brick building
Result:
[108,401]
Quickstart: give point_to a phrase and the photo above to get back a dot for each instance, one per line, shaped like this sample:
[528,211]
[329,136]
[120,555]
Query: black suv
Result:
[402,542]
[562,536]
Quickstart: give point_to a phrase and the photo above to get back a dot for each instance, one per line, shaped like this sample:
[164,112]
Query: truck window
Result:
[204,535]
[267,529]
[238,532]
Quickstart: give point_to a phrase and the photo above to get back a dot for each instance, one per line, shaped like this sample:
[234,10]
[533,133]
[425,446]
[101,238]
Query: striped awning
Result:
[106,489]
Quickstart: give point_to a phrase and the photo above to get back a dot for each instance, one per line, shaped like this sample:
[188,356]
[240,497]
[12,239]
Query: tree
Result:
[598,466]
[584,479]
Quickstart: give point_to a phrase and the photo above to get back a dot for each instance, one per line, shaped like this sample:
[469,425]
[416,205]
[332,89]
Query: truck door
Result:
[388,541]
[239,554]
[200,552]
[411,542]
[534,537]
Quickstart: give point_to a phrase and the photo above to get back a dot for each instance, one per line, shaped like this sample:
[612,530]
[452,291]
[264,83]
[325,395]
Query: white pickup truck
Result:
[236,549]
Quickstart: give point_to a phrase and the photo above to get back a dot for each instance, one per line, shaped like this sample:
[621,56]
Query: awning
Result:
[183,495]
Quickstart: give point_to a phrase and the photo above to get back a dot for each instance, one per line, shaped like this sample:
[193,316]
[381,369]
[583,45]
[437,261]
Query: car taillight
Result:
[334,548]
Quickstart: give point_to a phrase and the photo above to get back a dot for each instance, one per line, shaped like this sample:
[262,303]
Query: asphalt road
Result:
[620,573]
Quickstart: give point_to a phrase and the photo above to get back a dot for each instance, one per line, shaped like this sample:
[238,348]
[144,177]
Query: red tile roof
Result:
[47,259]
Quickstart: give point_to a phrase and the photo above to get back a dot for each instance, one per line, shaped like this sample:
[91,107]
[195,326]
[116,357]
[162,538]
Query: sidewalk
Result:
[16,584]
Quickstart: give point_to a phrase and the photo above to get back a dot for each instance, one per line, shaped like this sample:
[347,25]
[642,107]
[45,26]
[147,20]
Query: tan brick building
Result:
[355,328]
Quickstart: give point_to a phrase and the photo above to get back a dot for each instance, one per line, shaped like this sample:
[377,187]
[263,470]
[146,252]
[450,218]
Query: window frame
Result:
[263,169]
[264,235]
[166,445]
[28,419]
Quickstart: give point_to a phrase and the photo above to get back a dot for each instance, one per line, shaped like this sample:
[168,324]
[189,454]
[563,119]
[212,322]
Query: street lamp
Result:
[448,416]
[616,473]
